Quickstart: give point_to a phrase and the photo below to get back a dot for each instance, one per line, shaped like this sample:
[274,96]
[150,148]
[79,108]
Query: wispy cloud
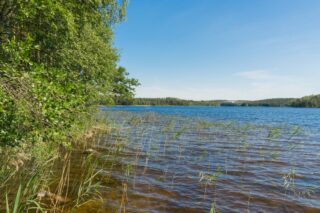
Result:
[209,93]
[269,84]
[256,84]
[254,90]
[257,75]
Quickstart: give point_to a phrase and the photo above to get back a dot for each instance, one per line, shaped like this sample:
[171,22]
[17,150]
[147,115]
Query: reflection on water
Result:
[179,164]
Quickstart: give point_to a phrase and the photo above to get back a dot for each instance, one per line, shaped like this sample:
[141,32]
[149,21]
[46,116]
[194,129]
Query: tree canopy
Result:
[312,101]
[56,61]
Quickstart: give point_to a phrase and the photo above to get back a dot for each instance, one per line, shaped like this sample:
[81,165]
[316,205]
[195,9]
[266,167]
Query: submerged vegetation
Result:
[186,164]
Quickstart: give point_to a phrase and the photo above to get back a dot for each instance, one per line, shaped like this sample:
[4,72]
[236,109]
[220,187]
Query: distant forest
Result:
[307,101]
[174,102]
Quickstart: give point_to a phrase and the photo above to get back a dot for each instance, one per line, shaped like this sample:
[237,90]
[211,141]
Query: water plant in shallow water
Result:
[213,208]
[179,133]
[273,134]
[245,145]
[204,125]
[289,180]
[210,178]
[88,186]
[189,155]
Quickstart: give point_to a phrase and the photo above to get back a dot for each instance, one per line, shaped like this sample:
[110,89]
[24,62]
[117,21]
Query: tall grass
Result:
[36,177]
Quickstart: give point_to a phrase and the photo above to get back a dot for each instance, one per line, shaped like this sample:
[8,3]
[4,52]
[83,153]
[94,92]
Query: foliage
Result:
[56,62]
[122,89]
[273,102]
[308,101]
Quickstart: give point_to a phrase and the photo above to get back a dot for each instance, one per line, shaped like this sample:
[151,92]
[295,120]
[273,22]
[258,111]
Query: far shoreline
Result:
[312,101]
[292,107]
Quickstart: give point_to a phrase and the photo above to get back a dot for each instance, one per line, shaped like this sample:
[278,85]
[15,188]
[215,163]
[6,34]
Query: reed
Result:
[122,148]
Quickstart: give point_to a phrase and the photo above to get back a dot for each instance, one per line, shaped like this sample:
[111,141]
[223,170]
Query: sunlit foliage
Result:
[56,61]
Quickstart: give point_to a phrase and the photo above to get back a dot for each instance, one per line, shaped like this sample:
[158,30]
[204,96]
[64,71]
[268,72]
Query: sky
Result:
[222,49]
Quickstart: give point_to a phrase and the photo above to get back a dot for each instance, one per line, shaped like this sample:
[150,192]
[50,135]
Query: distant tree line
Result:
[312,101]
[173,102]
[308,101]
[275,102]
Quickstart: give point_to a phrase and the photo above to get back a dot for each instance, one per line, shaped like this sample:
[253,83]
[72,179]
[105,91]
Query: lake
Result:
[212,159]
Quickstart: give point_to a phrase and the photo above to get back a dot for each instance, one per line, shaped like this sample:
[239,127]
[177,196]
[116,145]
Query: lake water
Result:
[213,159]
[304,117]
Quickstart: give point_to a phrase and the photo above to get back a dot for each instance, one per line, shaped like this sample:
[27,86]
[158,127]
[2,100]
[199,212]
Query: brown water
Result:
[159,163]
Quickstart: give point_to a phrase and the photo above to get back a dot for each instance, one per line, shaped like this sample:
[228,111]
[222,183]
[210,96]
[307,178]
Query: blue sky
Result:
[222,49]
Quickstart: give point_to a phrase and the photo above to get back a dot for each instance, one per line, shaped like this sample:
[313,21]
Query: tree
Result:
[56,61]
[123,87]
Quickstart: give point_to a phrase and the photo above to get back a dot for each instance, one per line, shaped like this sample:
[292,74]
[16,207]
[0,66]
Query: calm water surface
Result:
[218,159]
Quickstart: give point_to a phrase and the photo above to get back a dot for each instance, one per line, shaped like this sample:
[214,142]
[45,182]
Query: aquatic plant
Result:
[161,139]
[213,208]
[289,180]
[210,178]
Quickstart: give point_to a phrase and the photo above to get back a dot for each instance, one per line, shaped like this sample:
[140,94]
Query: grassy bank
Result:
[37,177]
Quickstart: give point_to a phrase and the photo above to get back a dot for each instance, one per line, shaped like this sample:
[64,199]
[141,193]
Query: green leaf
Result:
[17,201]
